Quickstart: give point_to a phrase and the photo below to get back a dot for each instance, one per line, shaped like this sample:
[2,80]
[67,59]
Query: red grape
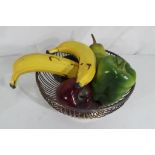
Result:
[68,94]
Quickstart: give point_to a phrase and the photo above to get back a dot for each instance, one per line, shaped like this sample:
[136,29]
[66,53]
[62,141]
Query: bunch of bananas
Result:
[83,71]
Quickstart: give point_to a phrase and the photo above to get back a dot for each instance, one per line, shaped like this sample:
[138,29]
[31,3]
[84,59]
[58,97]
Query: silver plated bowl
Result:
[48,85]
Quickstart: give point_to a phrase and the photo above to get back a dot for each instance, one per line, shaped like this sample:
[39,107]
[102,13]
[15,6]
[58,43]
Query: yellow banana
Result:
[38,62]
[86,57]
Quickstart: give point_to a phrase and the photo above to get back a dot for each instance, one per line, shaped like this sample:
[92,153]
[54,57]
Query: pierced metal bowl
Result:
[48,85]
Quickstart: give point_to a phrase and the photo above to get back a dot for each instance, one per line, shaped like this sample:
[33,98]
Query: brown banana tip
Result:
[12,86]
[47,52]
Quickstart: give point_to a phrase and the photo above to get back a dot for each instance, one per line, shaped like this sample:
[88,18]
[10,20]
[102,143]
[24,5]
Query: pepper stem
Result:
[94,40]
[119,63]
[122,65]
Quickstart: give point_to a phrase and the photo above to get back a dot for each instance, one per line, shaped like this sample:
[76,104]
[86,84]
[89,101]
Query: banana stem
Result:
[94,40]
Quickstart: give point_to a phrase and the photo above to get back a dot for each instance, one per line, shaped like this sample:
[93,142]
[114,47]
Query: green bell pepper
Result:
[114,78]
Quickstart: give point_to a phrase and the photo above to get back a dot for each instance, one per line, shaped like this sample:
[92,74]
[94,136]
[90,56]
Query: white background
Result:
[24,107]
[125,40]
